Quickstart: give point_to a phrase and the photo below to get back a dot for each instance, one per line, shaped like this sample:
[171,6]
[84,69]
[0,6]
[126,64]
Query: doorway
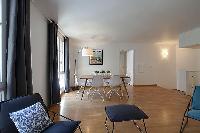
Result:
[127,66]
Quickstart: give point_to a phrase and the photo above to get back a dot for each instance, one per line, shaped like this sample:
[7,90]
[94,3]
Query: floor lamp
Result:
[85,52]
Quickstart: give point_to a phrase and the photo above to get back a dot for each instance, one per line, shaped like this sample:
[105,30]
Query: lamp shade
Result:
[87,52]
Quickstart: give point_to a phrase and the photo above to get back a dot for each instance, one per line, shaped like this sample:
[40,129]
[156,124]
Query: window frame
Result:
[4,42]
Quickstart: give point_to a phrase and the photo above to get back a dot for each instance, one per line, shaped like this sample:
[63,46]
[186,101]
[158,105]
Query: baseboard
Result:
[145,85]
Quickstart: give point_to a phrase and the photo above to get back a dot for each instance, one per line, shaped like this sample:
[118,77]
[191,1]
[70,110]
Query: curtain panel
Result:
[54,87]
[19,72]
[67,72]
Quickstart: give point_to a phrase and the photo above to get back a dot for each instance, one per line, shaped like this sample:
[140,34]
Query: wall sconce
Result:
[87,51]
[164,53]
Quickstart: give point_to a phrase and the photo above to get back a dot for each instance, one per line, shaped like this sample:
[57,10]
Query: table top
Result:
[104,76]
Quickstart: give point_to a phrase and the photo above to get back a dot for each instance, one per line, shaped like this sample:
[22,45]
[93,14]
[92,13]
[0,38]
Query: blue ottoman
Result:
[125,112]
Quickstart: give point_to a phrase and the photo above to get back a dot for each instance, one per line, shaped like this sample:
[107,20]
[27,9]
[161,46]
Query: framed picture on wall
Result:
[97,58]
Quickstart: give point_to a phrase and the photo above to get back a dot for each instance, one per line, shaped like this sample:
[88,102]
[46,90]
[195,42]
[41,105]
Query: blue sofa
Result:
[8,126]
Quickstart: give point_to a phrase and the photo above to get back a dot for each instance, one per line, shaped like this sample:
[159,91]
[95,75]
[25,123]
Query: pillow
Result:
[32,119]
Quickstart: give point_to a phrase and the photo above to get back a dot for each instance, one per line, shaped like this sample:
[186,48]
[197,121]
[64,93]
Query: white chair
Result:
[115,85]
[82,86]
[97,86]
[106,82]
[126,83]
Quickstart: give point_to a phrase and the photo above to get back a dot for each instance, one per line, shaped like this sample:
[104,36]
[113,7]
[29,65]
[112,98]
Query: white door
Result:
[130,65]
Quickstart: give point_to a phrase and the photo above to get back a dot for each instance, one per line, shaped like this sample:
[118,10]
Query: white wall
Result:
[155,69]
[72,54]
[39,52]
[190,38]
[187,59]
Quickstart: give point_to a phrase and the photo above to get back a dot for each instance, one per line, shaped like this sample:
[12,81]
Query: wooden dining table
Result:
[88,77]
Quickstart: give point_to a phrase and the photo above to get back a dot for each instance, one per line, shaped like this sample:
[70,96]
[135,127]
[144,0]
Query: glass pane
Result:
[1,64]
[62,57]
[58,49]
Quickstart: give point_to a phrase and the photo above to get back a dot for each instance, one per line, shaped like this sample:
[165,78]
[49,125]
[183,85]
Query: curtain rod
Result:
[59,27]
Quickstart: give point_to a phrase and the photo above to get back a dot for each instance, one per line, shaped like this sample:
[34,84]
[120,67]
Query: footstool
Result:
[125,112]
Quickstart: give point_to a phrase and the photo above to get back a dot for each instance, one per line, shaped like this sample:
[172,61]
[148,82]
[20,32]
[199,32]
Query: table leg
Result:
[84,88]
[125,87]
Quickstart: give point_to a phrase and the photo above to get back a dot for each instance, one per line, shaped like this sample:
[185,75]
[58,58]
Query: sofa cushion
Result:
[63,127]
[195,98]
[32,119]
[194,114]
[6,107]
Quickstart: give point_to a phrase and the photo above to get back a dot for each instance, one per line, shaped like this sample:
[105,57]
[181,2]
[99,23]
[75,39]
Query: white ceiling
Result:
[123,20]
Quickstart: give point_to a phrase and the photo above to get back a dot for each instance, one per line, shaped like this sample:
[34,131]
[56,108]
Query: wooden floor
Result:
[164,107]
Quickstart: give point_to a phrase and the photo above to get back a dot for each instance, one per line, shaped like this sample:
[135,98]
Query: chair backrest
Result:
[97,81]
[81,82]
[115,81]
[196,98]
[6,107]
[127,80]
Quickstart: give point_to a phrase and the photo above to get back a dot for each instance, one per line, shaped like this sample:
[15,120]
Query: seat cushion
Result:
[195,98]
[194,114]
[63,127]
[124,112]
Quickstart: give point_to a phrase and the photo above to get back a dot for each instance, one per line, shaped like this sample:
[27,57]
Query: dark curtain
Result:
[19,73]
[54,87]
[67,72]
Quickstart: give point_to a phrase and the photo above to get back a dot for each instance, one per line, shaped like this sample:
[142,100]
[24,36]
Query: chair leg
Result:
[101,95]
[104,89]
[80,129]
[112,91]
[127,92]
[82,93]
[137,126]
[121,91]
[106,125]
[183,125]
[145,129]
[109,93]
[113,127]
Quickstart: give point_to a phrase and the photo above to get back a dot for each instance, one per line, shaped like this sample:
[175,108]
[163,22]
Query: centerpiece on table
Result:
[103,72]
[108,72]
[96,72]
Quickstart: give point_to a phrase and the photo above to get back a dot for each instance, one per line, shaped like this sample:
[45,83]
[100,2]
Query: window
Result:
[61,61]
[2,48]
